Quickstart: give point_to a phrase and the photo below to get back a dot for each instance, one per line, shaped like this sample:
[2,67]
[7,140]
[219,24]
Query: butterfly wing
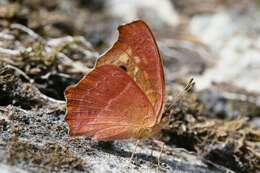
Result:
[108,105]
[137,53]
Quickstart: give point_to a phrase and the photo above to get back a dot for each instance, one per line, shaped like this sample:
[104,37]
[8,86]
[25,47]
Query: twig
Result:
[69,39]
[63,41]
[25,29]
[20,72]
[86,52]
[10,52]
[49,99]
[58,44]
[6,36]
[76,66]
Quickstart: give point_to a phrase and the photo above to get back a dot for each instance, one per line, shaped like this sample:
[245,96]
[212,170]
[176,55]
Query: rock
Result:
[234,40]
[134,9]
[11,169]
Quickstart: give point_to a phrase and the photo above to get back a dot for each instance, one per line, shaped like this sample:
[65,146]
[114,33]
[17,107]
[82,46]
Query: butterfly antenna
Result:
[189,86]
[187,89]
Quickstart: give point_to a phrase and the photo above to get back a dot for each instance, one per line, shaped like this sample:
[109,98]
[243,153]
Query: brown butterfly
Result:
[123,96]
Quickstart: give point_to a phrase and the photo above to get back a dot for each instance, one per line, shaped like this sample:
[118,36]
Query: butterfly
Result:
[123,96]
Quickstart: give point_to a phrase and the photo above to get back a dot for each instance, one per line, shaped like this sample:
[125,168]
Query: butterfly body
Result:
[123,96]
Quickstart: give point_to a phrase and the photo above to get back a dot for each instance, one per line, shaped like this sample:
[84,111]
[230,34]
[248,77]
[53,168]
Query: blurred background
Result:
[51,44]
[216,42]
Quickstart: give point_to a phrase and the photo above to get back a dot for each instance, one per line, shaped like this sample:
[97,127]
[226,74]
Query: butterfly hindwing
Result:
[107,104]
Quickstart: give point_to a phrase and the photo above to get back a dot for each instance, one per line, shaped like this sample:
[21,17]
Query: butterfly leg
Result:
[133,153]
[151,154]
[161,144]
[162,147]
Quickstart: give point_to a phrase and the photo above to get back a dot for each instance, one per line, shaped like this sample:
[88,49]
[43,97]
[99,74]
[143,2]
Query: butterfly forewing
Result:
[137,53]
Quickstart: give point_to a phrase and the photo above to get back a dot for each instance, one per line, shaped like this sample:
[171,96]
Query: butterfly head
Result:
[149,132]
[144,133]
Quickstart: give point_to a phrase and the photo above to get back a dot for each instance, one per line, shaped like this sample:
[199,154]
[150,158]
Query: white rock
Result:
[230,38]
[152,10]
[10,169]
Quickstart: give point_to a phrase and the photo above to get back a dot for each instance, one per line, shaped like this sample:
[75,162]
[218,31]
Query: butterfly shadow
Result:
[139,158]
[167,162]
[113,149]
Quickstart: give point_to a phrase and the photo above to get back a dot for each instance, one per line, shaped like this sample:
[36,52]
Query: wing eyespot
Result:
[123,68]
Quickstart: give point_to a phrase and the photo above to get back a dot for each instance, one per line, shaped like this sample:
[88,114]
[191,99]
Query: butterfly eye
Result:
[123,67]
